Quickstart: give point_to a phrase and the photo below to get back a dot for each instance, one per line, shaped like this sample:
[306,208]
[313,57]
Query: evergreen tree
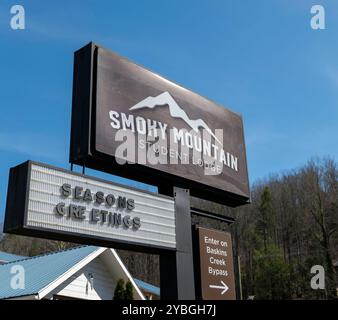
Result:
[271,274]
[128,294]
[266,221]
[119,293]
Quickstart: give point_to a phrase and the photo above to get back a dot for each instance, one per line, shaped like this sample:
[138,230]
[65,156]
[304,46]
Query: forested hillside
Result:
[291,225]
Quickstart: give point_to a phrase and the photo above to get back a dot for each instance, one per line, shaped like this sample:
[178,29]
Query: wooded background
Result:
[290,226]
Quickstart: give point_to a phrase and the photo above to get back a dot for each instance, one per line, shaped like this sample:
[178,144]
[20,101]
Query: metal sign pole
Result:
[177,268]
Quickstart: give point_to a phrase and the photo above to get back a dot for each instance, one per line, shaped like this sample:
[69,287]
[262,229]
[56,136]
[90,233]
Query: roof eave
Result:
[28,297]
[51,286]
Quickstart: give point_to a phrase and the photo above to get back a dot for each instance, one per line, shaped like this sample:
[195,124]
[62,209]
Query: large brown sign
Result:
[216,265]
[132,122]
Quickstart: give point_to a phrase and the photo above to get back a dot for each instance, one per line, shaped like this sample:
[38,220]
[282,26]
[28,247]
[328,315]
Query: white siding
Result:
[78,286]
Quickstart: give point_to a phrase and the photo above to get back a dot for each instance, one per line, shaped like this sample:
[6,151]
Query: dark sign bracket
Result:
[211,215]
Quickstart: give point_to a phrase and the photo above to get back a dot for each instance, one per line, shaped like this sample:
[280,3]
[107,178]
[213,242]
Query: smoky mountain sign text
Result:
[56,203]
[216,265]
[132,122]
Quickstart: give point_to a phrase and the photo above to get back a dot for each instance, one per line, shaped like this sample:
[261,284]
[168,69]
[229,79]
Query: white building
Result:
[85,272]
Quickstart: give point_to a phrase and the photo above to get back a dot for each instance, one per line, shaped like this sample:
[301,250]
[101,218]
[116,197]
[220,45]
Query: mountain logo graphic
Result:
[175,111]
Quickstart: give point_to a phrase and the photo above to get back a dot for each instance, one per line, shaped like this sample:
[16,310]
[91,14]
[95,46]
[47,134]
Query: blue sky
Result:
[260,58]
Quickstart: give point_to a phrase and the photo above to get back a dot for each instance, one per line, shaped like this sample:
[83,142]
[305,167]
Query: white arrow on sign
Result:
[224,287]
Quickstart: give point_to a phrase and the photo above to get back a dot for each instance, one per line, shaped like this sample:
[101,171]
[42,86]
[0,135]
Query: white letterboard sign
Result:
[43,200]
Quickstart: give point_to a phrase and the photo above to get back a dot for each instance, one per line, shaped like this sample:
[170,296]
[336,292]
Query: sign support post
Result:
[177,268]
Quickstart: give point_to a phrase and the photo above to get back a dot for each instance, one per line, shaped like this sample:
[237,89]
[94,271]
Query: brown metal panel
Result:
[217,278]
[118,85]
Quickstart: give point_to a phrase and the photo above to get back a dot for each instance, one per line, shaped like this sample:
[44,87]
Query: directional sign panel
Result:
[216,265]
